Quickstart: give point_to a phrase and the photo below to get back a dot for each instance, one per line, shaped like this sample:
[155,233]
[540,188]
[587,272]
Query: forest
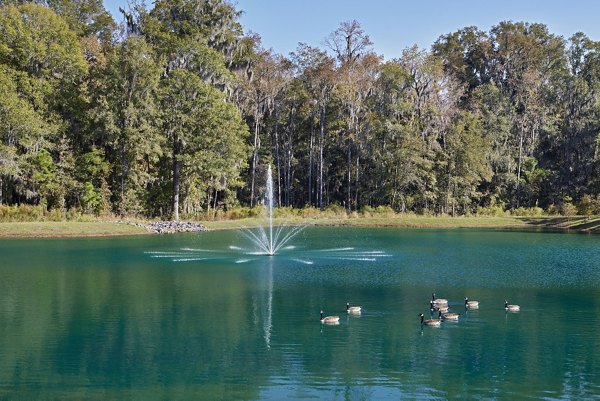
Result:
[178,112]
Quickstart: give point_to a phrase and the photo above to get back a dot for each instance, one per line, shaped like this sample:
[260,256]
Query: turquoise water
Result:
[186,317]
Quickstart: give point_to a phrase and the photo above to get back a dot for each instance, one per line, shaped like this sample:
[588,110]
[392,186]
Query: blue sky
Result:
[395,24]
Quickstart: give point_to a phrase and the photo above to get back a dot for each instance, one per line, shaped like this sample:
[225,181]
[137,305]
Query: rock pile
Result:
[170,227]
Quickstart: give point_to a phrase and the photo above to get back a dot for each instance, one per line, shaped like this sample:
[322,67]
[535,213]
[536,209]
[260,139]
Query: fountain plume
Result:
[271,240]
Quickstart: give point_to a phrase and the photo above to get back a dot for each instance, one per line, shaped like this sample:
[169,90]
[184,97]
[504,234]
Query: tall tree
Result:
[349,43]
[126,114]
[316,71]
[44,62]
[206,135]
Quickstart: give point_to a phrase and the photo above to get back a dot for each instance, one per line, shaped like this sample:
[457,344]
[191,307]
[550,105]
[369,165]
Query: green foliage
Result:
[588,206]
[85,17]
[379,211]
[493,211]
[207,135]
[567,208]
[21,213]
[37,41]
[527,212]
[157,121]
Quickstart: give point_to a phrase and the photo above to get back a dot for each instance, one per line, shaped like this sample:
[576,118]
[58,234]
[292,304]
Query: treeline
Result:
[179,111]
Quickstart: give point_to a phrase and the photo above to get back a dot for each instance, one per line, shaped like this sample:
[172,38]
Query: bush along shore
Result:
[169,227]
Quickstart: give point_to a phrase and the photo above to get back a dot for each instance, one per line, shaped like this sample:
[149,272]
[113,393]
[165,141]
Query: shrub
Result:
[587,206]
[568,209]
[286,212]
[334,210]
[21,213]
[310,212]
[237,213]
[527,211]
[386,211]
[553,210]
[490,211]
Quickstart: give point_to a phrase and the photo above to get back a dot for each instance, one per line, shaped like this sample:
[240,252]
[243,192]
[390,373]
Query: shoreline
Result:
[100,229]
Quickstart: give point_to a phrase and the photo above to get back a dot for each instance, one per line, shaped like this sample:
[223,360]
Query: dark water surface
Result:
[186,317]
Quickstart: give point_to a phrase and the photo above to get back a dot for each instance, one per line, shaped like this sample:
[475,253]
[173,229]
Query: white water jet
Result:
[273,239]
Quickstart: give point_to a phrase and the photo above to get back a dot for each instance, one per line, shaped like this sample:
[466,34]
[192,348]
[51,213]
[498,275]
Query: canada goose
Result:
[430,322]
[353,309]
[438,301]
[441,308]
[330,319]
[449,316]
[511,308]
[471,304]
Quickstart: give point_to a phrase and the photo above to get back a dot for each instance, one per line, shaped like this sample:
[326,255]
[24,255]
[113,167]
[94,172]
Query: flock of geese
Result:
[439,305]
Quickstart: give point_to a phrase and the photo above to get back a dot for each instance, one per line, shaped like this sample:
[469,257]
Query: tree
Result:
[43,65]
[351,46]
[257,96]
[466,150]
[316,71]
[126,114]
[85,17]
[206,135]
[467,56]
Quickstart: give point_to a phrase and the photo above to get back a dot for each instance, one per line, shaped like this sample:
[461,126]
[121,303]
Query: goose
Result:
[430,322]
[511,308]
[434,307]
[441,301]
[330,319]
[449,316]
[353,309]
[471,304]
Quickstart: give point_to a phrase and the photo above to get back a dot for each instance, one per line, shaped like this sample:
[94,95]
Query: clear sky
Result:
[396,24]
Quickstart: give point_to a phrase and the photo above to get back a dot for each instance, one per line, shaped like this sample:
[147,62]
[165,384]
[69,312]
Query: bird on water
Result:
[430,322]
[438,301]
[511,308]
[471,304]
[329,319]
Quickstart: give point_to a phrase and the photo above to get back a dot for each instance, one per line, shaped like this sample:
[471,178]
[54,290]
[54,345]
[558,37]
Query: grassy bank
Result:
[409,221]
[67,229]
[99,228]
[589,224]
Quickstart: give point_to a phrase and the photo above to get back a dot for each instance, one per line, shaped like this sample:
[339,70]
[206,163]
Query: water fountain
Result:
[267,240]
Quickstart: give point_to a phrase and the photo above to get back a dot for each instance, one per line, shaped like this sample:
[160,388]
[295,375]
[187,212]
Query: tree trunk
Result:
[356,181]
[448,185]
[310,158]
[254,159]
[348,173]
[321,144]
[176,179]
[519,161]
[278,157]
[215,204]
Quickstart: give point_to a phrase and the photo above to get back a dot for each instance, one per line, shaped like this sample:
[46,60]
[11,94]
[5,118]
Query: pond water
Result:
[188,317]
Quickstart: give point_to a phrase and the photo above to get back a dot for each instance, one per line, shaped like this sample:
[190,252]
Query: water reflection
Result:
[102,320]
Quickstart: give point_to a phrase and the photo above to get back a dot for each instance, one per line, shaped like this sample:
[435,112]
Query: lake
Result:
[182,317]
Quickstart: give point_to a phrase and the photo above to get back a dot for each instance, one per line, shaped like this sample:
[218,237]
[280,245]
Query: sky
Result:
[394,25]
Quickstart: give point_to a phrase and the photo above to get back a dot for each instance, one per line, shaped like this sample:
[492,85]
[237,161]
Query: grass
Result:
[99,228]
[408,221]
[67,229]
